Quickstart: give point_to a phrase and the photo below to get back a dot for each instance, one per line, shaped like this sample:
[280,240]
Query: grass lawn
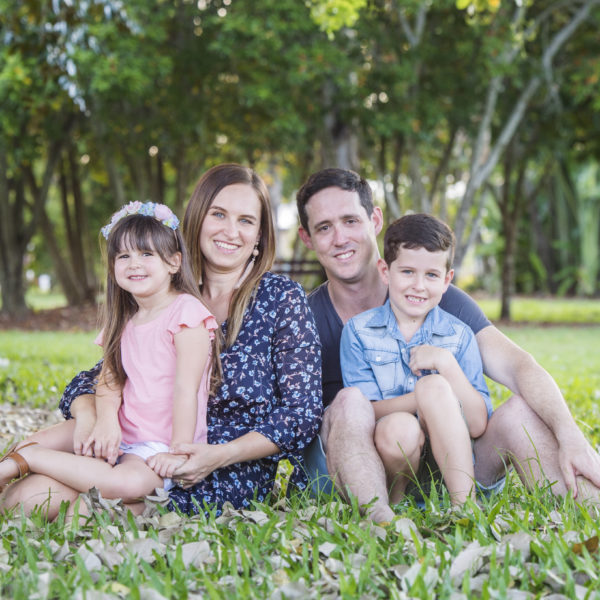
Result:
[518,544]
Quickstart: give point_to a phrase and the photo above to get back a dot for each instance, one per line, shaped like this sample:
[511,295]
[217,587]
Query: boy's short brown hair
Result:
[418,231]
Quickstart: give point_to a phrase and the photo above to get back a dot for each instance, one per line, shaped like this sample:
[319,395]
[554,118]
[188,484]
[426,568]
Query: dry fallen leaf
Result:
[406,528]
[326,548]
[144,549]
[90,560]
[470,560]
[591,545]
[110,556]
[293,590]
[429,575]
[518,542]
[195,554]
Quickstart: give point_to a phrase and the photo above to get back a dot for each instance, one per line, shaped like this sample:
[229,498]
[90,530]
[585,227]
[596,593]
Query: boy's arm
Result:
[192,346]
[404,403]
[465,376]
[356,371]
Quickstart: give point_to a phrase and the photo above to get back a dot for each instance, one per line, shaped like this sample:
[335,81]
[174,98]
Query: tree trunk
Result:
[13,243]
[70,286]
[509,233]
[84,271]
[339,144]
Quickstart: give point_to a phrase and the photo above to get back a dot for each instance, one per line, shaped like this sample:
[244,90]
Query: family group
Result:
[214,368]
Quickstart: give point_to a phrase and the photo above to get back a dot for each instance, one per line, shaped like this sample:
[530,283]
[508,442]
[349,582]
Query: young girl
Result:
[153,388]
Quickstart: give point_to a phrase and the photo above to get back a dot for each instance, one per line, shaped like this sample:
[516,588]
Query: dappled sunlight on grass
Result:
[545,310]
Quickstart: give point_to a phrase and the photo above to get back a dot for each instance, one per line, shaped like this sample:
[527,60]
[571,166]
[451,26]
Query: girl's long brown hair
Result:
[207,188]
[143,233]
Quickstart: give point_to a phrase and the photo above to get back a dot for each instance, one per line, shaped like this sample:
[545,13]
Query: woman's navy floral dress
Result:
[271,384]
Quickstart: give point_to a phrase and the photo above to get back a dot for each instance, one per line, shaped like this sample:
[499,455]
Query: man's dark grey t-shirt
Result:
[330,326]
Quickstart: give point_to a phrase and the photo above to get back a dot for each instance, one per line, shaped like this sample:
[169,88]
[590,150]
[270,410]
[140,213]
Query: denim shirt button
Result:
[378,358]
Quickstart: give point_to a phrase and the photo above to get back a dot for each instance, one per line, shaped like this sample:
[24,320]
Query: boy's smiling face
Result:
[417,279]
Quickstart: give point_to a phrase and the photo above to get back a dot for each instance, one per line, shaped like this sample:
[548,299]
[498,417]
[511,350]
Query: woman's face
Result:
[231,228]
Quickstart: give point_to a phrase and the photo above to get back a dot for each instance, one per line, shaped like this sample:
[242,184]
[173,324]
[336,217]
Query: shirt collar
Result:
[436,323]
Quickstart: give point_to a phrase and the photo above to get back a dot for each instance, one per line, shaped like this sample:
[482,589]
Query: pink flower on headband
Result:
[133,207]
[162,212]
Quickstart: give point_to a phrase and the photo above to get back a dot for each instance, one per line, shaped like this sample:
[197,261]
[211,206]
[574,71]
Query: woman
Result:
[269,404]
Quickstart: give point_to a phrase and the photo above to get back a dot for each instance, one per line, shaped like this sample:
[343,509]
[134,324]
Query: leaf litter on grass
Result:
[306,551]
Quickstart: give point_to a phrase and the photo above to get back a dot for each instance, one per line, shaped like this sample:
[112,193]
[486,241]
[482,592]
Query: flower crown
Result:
[160,212]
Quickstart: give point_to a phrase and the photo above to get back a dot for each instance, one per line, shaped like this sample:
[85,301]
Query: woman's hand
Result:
[83,410]
[104,440]
[202,460]
[84,425]
[164,464]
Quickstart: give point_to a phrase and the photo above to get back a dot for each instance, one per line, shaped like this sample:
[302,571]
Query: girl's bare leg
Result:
[57,437]
[129,479]
[37,491]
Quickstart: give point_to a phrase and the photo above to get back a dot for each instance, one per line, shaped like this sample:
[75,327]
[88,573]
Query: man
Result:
[533,430]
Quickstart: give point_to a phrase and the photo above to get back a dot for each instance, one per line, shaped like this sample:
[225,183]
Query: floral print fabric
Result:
[271,384]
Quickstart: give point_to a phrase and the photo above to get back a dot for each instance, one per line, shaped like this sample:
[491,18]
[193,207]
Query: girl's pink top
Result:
[149,359]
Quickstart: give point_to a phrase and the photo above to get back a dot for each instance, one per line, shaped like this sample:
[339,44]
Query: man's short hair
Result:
[418,231]
[341,178]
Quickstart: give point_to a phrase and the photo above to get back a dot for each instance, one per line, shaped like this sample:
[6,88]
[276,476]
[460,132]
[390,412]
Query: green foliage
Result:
[155,93]
[518,540]
[332,15]
[35,367]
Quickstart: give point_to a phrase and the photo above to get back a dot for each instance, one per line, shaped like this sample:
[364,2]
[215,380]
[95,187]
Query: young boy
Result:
[419,365]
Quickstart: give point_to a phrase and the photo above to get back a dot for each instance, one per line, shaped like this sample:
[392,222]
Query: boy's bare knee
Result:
[435,396]
[399,435]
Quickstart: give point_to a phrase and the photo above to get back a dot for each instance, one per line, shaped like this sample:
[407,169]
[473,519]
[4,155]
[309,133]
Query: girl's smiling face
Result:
[143,273]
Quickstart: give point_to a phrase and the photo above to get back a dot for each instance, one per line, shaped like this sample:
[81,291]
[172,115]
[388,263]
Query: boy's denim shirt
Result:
[375,356]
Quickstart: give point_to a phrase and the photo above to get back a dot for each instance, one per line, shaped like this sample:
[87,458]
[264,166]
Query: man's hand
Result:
[164,464]
[429,358]
[577,457]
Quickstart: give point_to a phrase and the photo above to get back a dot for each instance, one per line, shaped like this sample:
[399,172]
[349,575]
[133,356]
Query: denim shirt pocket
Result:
[384,365]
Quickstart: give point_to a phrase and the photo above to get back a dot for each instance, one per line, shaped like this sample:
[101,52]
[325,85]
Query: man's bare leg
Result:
[352,459]
[516,435]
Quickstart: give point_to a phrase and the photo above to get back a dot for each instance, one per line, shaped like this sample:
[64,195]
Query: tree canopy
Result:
[483,112]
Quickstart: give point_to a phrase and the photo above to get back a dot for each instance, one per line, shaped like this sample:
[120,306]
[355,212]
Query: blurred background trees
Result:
[485,113]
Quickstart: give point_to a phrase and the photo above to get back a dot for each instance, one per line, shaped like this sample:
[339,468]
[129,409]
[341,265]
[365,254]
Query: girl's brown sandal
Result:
[13,454]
